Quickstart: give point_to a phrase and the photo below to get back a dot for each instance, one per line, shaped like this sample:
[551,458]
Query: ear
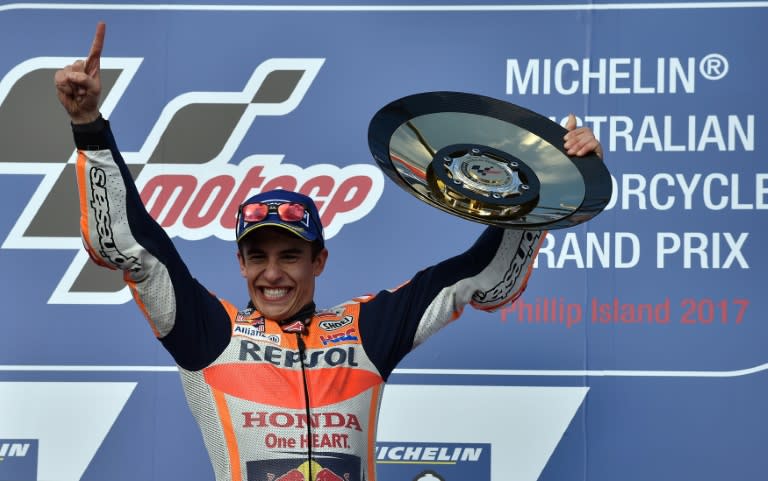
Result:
[241,261]
[319,262]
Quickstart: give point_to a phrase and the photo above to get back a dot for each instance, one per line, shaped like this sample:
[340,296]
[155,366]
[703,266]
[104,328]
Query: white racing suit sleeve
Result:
[500,282]
[119,233]
[490,274]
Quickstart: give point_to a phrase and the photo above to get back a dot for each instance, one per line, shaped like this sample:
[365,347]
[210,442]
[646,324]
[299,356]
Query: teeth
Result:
[274,292]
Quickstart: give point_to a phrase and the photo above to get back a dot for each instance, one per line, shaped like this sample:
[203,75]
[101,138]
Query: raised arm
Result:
[78,86]
[491,274]
[118,232]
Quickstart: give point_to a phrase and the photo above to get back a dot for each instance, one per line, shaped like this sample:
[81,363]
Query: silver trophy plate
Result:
[488,161]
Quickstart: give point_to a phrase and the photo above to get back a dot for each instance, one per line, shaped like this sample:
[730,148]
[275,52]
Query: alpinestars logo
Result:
[185,169]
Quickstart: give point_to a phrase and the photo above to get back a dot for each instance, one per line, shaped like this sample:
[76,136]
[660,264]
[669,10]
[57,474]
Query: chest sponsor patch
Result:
[255,333]
[332,325]
[347,336]
[328,466]
[250,317]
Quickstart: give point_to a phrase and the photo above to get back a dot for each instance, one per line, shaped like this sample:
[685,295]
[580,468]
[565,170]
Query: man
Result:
[280,390]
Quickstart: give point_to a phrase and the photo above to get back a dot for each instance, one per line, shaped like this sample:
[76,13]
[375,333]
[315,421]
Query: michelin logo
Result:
[18,459]
[410,453]
[434,461]
[13,449]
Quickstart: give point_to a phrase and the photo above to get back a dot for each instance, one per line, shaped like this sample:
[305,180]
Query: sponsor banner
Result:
[637,347]
[433,461]
[18,459]
[524,424]
[68,420]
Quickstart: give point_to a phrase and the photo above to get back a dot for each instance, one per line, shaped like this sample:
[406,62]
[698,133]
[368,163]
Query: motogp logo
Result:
[185,170]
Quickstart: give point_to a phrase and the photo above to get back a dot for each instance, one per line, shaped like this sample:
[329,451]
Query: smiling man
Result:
[281,259]
[281,391]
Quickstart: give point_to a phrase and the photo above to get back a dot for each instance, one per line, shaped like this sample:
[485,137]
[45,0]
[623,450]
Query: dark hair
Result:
[315,248]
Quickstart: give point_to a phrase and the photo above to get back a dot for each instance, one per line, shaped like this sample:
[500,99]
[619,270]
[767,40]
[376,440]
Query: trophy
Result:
[487,160]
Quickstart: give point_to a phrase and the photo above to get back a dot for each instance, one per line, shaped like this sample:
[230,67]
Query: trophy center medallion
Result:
[485,174]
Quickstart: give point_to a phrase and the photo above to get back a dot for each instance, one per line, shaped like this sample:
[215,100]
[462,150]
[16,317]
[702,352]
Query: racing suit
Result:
[295,401]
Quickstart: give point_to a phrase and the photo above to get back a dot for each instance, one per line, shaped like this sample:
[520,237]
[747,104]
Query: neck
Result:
[303,314]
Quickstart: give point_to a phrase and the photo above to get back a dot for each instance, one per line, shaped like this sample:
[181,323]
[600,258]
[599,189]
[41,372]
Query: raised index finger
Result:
[94,56]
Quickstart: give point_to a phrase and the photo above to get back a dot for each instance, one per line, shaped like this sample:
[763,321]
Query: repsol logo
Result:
[335,356]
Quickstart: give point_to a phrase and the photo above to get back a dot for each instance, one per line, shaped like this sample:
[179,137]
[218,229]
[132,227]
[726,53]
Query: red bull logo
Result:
[317,473]
[326,474]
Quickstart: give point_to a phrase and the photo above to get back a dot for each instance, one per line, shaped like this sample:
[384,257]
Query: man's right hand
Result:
[78,86]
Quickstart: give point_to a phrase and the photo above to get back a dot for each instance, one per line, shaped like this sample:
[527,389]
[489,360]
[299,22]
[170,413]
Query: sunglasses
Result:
[287,211]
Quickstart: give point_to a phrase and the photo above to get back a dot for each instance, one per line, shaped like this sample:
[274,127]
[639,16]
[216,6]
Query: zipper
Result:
[302,351]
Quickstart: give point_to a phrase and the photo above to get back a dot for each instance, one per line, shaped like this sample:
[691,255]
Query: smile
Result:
[274,292]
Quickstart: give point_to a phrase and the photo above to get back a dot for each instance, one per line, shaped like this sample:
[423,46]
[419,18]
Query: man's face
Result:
[280,271]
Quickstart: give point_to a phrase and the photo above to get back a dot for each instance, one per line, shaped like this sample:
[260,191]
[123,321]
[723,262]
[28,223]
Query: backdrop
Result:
[637,352]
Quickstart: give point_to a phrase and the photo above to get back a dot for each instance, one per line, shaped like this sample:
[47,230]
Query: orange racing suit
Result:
[295,401]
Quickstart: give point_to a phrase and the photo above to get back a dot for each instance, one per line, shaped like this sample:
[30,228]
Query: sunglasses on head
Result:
[287,211]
